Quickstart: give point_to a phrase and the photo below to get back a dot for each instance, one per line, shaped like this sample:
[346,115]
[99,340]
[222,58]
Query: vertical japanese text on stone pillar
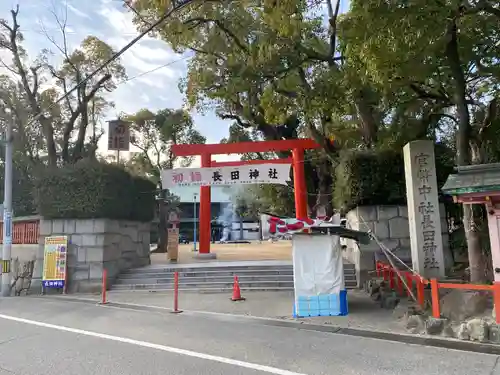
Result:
[426,210]
[423,209]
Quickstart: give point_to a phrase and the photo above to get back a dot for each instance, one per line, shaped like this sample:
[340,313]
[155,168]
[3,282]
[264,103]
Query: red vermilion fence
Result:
[24,230]
[395,283]
[435,285]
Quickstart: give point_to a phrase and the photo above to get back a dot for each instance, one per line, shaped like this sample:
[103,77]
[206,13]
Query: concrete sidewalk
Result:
[281,250]
[363,312]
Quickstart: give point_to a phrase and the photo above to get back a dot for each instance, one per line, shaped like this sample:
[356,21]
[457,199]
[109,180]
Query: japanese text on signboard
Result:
[426,210]
[54,262]
[246,174]
[119,136]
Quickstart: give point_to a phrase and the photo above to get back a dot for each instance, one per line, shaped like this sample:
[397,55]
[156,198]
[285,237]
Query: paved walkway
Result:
[363,312]
[280,250]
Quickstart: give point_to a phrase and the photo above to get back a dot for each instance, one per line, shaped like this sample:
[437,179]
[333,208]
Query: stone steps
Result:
[203,279]
[218,269]
[216,278]
[203,273]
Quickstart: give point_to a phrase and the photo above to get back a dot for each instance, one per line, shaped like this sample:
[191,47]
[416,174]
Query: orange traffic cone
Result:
[236,291]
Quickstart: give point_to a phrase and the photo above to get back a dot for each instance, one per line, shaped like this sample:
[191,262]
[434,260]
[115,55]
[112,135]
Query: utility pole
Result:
[7,212]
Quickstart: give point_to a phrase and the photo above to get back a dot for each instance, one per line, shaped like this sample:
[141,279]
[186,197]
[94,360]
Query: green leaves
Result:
[248,56]
[95,190]
[376,177]
[154,133]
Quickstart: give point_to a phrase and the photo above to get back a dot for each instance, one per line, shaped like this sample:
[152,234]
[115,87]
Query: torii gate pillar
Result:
[205,212]
[299,182]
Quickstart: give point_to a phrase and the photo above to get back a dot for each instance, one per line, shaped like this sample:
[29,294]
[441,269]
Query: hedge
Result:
[377,177]
[91,189]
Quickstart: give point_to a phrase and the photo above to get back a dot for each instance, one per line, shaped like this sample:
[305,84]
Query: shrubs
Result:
[377,177]
[365,178]
[90,189]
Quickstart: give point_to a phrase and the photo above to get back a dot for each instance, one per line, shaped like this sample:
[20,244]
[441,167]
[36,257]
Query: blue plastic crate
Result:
[321,305]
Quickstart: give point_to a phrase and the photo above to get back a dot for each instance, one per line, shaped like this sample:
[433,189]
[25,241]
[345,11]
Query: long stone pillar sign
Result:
[423,209]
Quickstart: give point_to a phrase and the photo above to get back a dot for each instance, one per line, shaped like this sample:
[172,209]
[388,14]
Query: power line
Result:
[116,55]
[153,70]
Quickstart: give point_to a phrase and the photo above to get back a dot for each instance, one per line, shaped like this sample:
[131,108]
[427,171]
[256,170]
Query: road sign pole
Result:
[194,228]
[7,213]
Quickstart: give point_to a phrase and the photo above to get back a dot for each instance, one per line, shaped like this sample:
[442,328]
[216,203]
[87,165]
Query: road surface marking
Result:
[189,353]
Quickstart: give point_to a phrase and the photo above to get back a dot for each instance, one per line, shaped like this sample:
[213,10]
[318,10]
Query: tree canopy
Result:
[378,76]
[154,134]
[50,131]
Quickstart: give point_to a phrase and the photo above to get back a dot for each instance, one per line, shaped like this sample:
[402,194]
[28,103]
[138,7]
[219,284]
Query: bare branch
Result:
[82,110]
[228,116]
[288,94]
[333,26]
[203,52]
[6,66]
[194,22]
[34,72]
[303,79]
[64,49]
[144,151]
[490,116]
[65,89]
[426,94]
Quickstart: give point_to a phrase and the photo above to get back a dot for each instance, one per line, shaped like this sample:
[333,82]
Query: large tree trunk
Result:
[368,123]
[324,198]
[476,264]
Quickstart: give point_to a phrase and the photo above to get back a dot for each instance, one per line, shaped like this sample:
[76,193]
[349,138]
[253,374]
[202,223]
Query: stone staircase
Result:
[259,276]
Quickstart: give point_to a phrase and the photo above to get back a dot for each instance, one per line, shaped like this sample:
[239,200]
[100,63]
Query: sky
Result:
[110,22]
[149,85]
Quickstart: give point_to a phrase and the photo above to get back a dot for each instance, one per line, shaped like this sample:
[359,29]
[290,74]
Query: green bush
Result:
[377,177]
[90,189]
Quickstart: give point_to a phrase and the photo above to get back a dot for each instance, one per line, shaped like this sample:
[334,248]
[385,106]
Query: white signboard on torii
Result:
[234,175]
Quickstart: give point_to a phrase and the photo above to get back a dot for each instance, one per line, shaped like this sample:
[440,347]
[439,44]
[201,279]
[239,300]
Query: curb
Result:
[445,343]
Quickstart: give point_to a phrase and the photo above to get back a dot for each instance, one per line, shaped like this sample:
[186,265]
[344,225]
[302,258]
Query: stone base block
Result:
[36,286]
[205,256]
[86,286]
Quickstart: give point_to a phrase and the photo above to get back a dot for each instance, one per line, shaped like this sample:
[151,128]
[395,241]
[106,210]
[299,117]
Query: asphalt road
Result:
[42,336]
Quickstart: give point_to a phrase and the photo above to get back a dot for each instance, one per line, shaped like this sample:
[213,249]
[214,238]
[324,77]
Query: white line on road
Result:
[189,353]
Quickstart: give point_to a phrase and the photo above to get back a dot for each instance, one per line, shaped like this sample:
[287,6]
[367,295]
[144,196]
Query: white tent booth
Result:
[318,266]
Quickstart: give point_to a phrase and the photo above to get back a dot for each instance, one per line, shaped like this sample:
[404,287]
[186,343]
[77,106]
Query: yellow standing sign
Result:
[55,262]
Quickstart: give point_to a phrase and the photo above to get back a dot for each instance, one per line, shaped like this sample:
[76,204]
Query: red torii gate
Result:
[205,151]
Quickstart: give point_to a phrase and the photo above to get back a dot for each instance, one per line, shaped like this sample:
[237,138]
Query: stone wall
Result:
[390,226]
[23,252]
[95,244]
